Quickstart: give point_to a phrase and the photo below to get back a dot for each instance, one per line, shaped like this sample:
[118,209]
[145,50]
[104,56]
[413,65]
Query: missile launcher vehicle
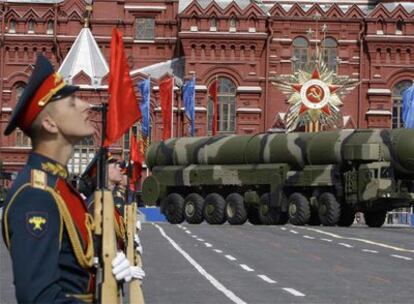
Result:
[272,178]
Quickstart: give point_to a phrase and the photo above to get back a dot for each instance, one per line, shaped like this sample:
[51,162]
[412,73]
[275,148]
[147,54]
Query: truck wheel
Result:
[235,212]
[329,209]
[375,219]
[193,210]
[214,206]
[299,209]
[268,215]
[347,216]
[173,208]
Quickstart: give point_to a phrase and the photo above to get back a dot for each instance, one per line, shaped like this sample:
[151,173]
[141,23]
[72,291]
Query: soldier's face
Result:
[114,173]
[72,118]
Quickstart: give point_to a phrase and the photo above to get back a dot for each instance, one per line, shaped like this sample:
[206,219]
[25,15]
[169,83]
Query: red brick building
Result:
[243,43]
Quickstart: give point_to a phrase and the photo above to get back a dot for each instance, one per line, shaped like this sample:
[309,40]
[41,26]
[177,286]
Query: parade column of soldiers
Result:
[44,215]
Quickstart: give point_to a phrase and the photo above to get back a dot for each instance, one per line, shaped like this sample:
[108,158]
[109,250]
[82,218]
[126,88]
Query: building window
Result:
[213,24]
[233,24]
[144,28]
[127,140]
[31,27]
[12,26]
[329,46]
[399,27]
[49,29]
[22,140]
[226,96]
[83,153]
[300,54]
[397,92]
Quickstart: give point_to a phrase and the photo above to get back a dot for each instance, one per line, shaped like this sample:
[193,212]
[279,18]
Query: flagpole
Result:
[172,107]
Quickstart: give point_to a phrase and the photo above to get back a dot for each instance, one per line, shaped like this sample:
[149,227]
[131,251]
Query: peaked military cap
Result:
[45,85]
[91,169]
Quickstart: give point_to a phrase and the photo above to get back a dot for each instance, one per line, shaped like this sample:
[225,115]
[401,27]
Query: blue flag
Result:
[189,103]
[408,107]
[144,88]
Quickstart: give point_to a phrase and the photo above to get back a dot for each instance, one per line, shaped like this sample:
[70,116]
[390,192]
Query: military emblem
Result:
[37,223]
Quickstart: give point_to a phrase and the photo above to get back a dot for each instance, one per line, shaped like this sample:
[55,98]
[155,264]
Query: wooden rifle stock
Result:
[106,284]
[135,295]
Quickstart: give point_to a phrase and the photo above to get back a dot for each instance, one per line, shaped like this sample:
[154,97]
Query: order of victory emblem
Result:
[314,95]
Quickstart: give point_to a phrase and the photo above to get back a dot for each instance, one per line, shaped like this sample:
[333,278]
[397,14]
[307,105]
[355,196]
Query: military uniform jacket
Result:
[47,230]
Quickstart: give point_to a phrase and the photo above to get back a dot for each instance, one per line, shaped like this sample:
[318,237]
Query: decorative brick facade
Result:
[246,42]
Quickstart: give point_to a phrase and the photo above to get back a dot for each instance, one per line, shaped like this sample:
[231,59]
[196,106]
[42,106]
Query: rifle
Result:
[135,295]
[106,286]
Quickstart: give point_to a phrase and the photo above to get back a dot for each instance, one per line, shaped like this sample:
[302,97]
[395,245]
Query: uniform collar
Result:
[47,164]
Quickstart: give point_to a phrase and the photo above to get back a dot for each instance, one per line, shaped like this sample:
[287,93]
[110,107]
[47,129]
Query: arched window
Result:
[300,53]
[399,27]
[329,46]
[21,139]
[397,92]
[213,24]
[49,29]
[226,95]
[233,24]
[12,26]
[83,153]
[31,27]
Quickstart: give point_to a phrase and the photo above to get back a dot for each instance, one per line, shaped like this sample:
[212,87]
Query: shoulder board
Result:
[38,179]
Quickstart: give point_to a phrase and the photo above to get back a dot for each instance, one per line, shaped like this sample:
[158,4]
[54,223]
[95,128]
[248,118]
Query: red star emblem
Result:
[332,88]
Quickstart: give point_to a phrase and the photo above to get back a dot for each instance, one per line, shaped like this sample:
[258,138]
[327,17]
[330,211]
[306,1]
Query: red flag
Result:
[166,96]
[213,93]
[123,109]
[137,158]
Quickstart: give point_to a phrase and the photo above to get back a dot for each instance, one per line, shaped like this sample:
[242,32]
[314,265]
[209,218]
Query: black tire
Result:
[236,213]
[253,215]
[268,215]
[329,209]
[173,208]
[213,211]
[193,208]
[299,209]
[347,216]
[375,219]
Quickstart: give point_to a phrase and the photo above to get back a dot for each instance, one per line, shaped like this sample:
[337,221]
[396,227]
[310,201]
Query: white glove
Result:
[137,272]
[121,267]
[138,226]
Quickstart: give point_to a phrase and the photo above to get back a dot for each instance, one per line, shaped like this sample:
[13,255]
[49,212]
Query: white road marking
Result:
[194,236]
[179,226]
[346,245]
[294,232]
[358,239]
[228,293]
[201,240]
[308,237]
[283,228]
[326,240]
[230,257]
[401,257]
[294,292]
[245,267]
[369,251]
[188,231]
[266,278]
[208,245]
[218,250]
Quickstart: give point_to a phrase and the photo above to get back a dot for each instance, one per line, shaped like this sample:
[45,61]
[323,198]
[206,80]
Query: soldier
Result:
[44,215]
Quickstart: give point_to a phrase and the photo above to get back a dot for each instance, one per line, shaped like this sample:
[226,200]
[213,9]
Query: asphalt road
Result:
[269,264]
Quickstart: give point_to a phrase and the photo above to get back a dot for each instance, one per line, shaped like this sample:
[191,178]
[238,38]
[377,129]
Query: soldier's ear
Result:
[49,124]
